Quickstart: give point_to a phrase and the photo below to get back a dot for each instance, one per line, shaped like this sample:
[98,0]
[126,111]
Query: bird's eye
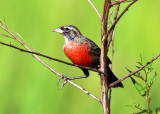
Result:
[66,29]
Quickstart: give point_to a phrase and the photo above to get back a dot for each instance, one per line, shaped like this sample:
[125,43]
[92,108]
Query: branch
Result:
[111,34]
[36,53]
[6,36]
[113,25]
[53,71]
[105,19]
[116,82]
[118,2]
[95,9]
[111,37]
[103,58]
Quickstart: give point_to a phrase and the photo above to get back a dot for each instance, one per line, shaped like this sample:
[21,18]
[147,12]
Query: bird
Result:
[83,51]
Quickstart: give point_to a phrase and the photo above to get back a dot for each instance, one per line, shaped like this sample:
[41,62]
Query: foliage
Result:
[143,87]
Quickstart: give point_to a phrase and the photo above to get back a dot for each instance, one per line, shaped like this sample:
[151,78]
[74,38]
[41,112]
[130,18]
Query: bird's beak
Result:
[57,30]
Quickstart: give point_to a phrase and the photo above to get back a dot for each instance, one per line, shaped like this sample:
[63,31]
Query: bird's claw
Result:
[65,78]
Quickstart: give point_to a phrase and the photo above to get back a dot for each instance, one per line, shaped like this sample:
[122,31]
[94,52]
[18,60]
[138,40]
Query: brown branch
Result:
[47,66]
[103,58]
[105,19]
[147,91]
[118,2]
[51,58]
[113,25]
[111,37]
[116,82]
[111,34]
[148,98]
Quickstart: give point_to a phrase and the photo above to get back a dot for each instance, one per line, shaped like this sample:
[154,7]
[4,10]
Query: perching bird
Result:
[82,51]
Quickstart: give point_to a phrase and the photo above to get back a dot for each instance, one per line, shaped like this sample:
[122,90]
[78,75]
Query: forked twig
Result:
[111,39]
[113,25]
[111,36]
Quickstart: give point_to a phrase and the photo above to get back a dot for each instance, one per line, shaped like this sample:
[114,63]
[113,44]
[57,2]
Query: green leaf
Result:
[142,111]
[137,105]
[141,59]
[136,74]
[149,67]
[153,79]
[138,67]
[139,87]
[129,70]
[156,111]
[139,76]
[140,63]
[129,105]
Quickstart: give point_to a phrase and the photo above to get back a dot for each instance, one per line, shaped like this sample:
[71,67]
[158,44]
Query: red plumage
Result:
[78,53]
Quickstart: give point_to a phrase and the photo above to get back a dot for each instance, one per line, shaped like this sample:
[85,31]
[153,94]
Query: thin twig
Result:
[36,53]
[77,86]
[139,77]
[147,91]
[118,2]
[95,9]
[148,98]
[110,96]
[111,37]
[5,23]
[85,91]
[116,82]
[26,42]
[113,25]
[110,89]
[6,36]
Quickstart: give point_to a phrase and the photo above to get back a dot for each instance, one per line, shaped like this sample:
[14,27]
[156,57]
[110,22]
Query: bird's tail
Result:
[112,78]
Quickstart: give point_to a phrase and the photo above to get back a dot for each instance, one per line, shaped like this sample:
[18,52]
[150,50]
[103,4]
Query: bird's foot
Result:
[65,80]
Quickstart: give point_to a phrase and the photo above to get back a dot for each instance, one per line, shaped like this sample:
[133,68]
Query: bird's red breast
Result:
[78,53]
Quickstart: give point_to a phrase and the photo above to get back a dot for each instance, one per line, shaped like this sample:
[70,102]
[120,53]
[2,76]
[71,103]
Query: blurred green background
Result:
[27,87]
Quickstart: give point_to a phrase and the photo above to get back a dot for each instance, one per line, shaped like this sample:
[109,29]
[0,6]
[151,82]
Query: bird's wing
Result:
[95,51]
